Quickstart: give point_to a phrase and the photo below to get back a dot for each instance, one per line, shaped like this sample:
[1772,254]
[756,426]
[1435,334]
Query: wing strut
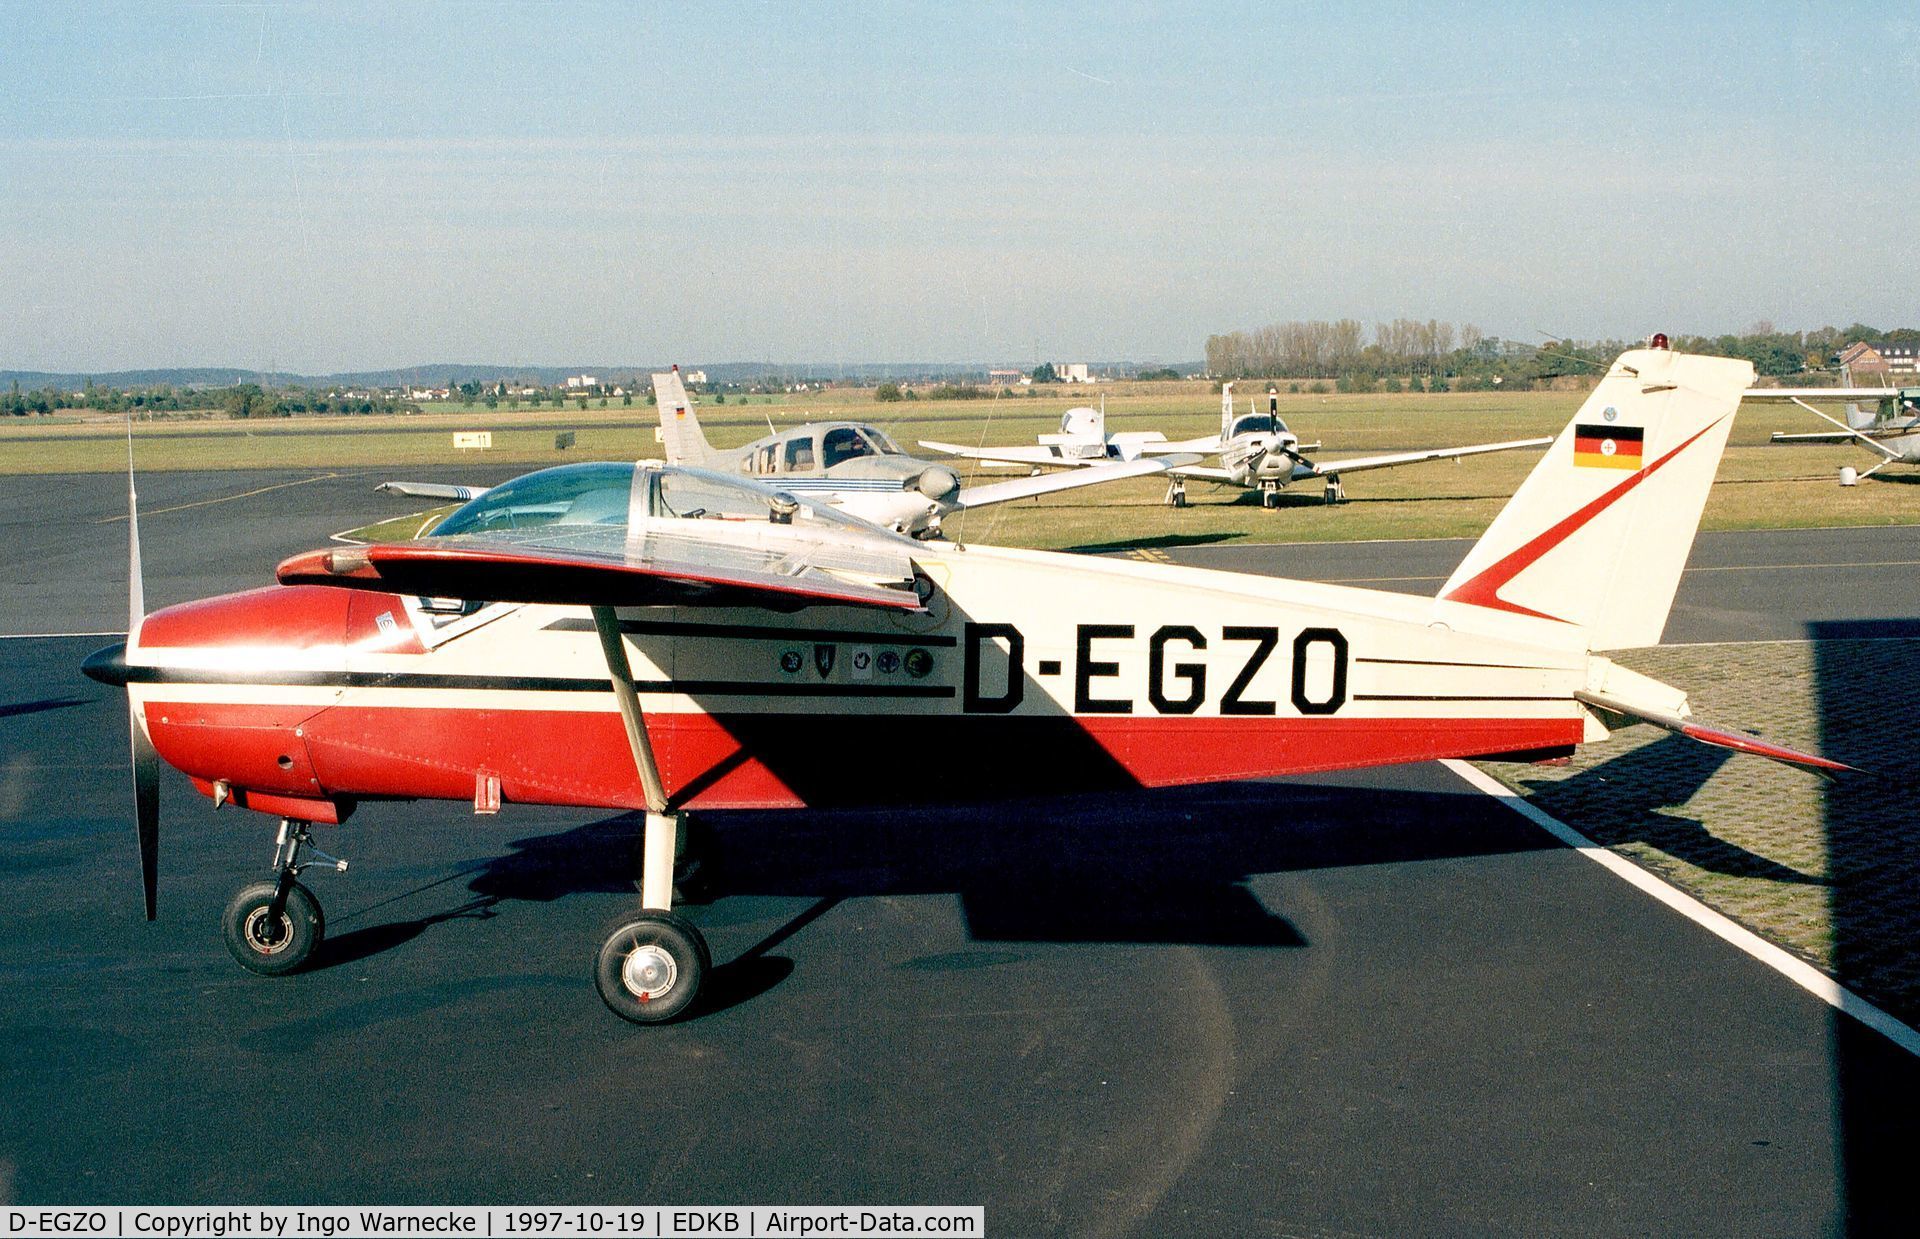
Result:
[607,624]
[663,830]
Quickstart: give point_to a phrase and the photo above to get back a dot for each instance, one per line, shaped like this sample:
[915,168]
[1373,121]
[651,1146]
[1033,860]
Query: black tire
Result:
[668,936]
[270,950]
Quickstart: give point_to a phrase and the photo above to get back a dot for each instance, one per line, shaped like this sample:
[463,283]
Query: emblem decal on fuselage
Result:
[823,659]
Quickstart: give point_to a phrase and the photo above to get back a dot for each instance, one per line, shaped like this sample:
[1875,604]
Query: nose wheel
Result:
[1269,495]
[270,941]
[272,927]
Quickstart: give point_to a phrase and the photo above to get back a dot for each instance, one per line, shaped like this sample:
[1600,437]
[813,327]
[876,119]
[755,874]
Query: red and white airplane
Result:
[637,636]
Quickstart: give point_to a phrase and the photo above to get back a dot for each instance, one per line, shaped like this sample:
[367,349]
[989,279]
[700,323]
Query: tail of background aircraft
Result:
[679,426]
[1599,532]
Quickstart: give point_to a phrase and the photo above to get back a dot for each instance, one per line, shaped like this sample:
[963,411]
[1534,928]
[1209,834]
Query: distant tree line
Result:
[1436,355]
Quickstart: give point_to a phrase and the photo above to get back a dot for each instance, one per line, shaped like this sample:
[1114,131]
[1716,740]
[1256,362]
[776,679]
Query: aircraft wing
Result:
[1818,436]
[433,490]
[1789,394]
[1046,483]
[589,566]
[1051,454]
[1032,455]
[1212,473]
[1330,468]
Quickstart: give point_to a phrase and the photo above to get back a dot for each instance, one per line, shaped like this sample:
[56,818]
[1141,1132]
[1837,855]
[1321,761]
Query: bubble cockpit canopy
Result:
[623,496]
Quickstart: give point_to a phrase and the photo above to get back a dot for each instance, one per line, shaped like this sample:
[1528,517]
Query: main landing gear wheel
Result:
[651,968]
[268,943]
[1269,497]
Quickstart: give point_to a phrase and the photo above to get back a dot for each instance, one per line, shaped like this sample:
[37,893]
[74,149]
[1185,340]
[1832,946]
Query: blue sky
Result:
[330,187]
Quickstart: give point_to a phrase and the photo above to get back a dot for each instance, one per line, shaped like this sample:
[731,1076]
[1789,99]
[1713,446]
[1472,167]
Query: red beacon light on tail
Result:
[1659,340]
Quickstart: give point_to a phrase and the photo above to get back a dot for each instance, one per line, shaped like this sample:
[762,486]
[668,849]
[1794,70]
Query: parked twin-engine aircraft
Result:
[668,639]
[1256,451]
[1891,427]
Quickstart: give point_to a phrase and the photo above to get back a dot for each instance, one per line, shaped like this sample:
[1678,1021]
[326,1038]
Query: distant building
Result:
[696,376]
[580,382]
[1071,372]
[1005,376]
[1863,360]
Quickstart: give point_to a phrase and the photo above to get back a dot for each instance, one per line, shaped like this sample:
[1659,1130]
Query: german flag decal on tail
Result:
[1607,447]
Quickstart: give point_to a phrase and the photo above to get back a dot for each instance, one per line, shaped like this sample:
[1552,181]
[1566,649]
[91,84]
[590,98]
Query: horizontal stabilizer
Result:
[1738,741]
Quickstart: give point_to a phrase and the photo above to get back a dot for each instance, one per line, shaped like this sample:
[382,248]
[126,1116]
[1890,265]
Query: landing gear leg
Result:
[1177,492]
[1269,494]
[691,860]
[650,968]
[272,927]
[1335,493]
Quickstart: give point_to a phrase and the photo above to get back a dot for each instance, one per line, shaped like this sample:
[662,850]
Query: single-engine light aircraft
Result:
[667,639]
[1257,452]
[1891,427]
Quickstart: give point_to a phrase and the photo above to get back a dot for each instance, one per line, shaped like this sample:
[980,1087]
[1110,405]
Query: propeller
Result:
[146,763]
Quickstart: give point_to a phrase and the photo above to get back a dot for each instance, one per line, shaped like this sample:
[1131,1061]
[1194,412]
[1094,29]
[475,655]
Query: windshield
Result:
[589,494]
[886,446]
[1257,424]
[843,443]
[604,496]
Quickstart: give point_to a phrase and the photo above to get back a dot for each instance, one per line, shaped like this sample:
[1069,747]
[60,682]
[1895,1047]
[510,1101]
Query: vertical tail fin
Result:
[679,426]
[1598,533]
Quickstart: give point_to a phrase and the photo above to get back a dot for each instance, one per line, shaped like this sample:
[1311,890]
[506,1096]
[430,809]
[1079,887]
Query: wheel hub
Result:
[269,937]
[649,971]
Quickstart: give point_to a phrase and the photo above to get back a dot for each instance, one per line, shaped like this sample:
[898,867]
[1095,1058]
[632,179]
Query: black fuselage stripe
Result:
[530,683]
[1430,662]
[756,632]
[1446,697]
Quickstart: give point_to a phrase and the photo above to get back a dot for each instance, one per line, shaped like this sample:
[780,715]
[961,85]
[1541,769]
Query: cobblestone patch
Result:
[1828,870]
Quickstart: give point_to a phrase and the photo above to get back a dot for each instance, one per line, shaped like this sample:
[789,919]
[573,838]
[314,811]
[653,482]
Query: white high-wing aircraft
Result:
[852,466]
[1891,427]
[647,637]
[1256,451]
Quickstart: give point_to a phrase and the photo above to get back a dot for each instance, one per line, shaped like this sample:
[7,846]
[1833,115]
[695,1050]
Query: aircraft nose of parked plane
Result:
[108,666]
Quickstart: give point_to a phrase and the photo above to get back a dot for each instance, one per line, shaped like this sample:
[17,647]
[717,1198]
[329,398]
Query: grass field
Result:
[1760,486]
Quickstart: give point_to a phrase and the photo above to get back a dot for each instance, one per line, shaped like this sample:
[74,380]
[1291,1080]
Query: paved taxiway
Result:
[1360,1004]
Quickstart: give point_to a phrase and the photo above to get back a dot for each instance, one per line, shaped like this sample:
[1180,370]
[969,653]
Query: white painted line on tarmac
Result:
[41,636]
[1801,973]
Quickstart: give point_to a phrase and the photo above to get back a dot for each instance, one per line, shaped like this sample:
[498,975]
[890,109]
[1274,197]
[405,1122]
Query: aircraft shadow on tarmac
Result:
[1626,800]
[1143,867]
[16,709]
